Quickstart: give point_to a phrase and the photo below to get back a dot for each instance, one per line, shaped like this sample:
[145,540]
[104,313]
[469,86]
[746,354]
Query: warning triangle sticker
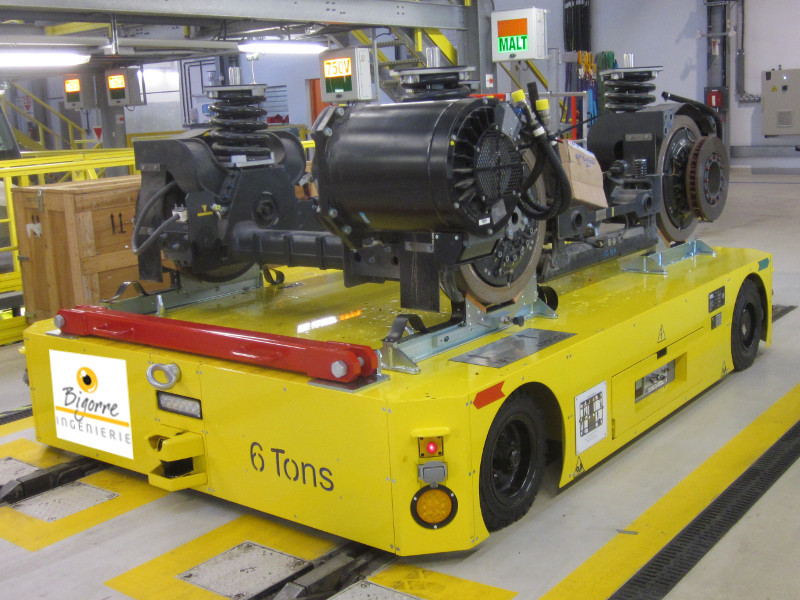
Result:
[662,337]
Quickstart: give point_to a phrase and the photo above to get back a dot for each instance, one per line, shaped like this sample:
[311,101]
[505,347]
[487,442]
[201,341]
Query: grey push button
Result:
[433,472]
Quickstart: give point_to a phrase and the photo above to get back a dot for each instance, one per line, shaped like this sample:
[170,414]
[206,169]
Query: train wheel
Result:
[748,320]
[513,461]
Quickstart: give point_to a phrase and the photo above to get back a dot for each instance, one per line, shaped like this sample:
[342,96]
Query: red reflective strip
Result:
[512,27]
[311,357]
[489,395]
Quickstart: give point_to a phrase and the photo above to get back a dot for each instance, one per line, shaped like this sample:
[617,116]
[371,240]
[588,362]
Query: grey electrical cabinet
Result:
[780,102]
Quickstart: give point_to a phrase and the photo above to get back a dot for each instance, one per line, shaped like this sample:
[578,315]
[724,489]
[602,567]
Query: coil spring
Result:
[238,130]
[630,93]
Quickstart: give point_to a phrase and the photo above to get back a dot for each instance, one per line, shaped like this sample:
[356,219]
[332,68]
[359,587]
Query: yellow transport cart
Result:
[408,462]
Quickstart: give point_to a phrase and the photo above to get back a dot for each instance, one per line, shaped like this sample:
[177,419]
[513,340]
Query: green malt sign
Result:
[514,43]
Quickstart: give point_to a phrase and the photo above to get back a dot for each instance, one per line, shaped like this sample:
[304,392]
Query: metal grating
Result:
[677,558]
[248,570]
[785,118]
[15,415]
[63,501]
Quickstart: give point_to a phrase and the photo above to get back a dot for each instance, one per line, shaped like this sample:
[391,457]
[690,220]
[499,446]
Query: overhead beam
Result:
[399,13]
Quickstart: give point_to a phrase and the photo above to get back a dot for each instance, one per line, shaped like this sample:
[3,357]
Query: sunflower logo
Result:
[87,380]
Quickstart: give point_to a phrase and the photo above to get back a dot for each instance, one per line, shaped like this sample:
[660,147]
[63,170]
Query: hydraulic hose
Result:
[546,152]
[154,236]
[563,189]
[148,206]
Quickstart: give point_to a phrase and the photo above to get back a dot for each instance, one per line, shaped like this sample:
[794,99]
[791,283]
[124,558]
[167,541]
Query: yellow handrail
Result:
[445,45]
[42,127]
[72,126]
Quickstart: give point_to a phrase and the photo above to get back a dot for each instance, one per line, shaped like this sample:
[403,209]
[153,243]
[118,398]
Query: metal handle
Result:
[171,371]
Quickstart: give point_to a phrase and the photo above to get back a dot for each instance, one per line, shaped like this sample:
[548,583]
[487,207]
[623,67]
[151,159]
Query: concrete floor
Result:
[758,558]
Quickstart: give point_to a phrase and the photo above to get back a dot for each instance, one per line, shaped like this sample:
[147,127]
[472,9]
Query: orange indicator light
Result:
[116,81]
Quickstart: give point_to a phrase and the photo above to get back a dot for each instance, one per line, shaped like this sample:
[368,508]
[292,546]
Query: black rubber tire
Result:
[512,462]
[746,326]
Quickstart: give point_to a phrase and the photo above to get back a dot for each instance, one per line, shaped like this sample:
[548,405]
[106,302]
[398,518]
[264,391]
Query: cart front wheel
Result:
[748,321]
[513,461]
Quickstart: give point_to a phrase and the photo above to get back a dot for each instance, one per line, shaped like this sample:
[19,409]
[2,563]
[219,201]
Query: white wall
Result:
[291,71]
[658,34]
[666,33]
[771,39]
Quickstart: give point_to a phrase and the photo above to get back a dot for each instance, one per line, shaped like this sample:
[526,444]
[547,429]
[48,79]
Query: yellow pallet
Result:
[347,462]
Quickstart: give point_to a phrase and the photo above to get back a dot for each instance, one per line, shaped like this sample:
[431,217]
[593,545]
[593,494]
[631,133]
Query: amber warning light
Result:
[337,67]
[116,81]
[72,85]
[72,90]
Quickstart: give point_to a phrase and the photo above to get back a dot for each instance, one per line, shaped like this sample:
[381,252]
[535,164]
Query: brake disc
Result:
[501,276]
[676,219]
[707,178]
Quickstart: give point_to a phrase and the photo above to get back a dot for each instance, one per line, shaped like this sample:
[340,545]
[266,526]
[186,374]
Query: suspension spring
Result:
[238,130]
[628,90]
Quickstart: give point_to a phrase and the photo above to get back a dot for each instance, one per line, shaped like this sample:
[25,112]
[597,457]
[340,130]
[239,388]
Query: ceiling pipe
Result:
[178,44]
[50,41]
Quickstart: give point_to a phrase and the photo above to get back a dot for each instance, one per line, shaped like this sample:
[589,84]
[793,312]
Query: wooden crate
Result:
[74,242]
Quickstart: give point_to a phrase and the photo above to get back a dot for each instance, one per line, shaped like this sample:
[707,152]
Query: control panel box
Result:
[780,102]
[519,34]
[346,75]
[79,92]
[125,87]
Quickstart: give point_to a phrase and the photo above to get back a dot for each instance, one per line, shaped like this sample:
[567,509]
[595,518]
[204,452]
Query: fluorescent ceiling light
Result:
[281,47]
[23,59]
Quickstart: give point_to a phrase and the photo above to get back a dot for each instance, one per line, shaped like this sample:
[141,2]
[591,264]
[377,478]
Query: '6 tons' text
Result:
[303,472]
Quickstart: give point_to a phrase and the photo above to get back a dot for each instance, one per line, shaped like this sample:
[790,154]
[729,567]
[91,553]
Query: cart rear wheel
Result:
[513,461]
[748,319]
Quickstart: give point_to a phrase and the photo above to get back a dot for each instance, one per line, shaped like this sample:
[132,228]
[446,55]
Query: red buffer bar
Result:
[335,361]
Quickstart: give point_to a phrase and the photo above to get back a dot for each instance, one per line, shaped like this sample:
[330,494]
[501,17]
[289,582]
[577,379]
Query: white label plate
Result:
[90,397]
[591,417]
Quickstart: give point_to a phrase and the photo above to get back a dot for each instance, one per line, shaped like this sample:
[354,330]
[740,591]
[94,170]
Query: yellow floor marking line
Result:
[620,559]
[157,579]
[430,585]
[15,426]
[34,453]
[33,534]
